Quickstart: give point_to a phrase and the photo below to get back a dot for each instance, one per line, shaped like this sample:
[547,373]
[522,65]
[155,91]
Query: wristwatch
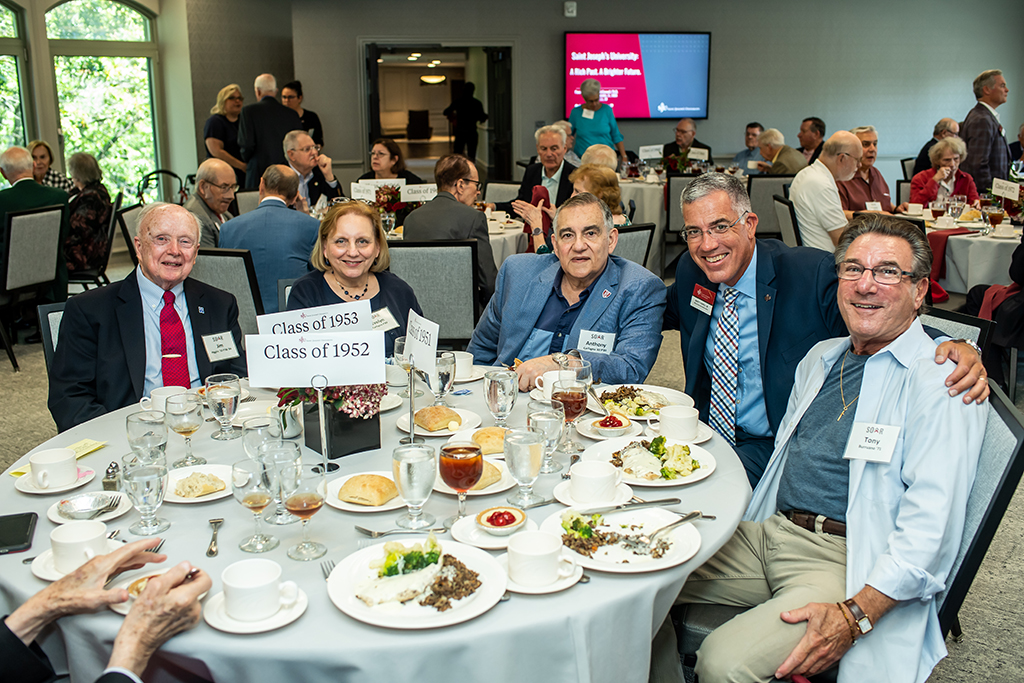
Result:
[859,618]
[562,357]
[537,231]
[969,342]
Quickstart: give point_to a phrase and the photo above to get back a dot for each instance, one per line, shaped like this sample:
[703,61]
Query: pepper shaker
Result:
[112,478]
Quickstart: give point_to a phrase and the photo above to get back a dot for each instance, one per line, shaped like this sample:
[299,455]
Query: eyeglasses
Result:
[379,155]
[237,97]
[470,180]
[307,150]
[185,243]
[697,235]
[857,159]
[883,275]
[226,187]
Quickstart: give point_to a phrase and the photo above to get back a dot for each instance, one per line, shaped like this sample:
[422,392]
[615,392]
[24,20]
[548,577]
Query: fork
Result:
[157,547]
[573,459]
[377,534]
[248,399]
[648,539]
[327,566]
[109,507]
[215,523]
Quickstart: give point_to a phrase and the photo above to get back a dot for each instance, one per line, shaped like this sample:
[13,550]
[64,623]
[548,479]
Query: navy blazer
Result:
[531,178]
[988,155]
[29,664]
[261,130]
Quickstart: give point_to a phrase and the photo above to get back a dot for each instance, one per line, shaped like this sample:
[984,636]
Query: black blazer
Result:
[100,361]
[318,186]
[261,130]
[29,664]
[672,148]
[531,178]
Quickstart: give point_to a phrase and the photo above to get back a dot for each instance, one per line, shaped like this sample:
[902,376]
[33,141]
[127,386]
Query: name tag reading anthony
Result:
[384,320]
[291,360]
[220,347]
[871,442]
[351,316]
[597,342]
[697,153]
[873,206]
[703,299]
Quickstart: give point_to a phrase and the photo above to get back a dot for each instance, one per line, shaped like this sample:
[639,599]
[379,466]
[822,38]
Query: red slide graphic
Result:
[615,60]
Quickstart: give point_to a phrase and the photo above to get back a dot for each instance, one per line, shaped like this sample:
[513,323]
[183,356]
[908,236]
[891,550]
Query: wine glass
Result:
[445,376]
[145,482]
[257,431]
[549,418]
[222,395]
[955,207]
[402,359]
[414,469]
[461,465]
[583,369]
[524,453]
[573,395]
[302,486]
[251,488]
[147,433]
[274,455]
[501,388]
[184,415]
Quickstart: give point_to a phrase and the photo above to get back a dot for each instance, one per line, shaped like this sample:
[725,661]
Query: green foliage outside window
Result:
[96,20]
[12,130]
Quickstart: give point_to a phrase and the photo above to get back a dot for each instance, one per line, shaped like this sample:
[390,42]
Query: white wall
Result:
[402,91]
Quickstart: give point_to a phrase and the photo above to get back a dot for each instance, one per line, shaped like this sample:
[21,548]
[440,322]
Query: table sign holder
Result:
[412,438]
[319,382]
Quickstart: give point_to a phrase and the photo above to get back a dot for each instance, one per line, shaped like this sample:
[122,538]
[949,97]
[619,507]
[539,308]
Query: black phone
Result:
[16,532]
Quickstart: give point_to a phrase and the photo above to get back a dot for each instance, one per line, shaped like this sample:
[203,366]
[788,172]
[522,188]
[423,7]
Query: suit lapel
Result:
[133,331]
[200,326]
[765,302]
[699,337]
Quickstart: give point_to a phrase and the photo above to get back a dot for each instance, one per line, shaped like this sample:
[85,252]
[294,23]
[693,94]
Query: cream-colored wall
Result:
[401,91]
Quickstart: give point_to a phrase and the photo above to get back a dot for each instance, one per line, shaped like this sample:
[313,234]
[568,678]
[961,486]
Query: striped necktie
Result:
[726,369]
[174,355]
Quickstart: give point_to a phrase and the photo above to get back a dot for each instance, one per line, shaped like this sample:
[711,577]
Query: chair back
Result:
[284,290]
[902,191]
[500,192]
[762,190]
[677,182]
[33,239]
[786,215]
[98,276]
[635,242]
[444,276]
[128,219]
[960,326]
[632,210]
[233,271]
[908,167]
[50,316]
[247,200]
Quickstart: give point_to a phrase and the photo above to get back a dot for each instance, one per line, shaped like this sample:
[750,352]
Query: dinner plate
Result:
[585,427]
[685,541]
[25,484]
[217,617]
[704,432]
[43,568]
[563,494]
[504,484]
[675,398]
[603,451]
[470,420]
[477,374]
[247,411]
[355,569]
[560,585]
[467,435]
[334,485]
[390,402]
[467,531]
[123,607]
[123,506]
[221,471]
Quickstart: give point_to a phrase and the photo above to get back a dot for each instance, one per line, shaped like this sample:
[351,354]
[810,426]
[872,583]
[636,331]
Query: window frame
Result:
[18,48]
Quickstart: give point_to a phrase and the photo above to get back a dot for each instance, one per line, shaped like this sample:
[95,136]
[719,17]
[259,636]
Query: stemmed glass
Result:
[251,488]
[185,416]
[145,482]
[956,207]
[275,455]
[302,486]
[147,433]
[257,431]
[549,418]
[403,362]
[461,465]
[501,389]
[445,376]
[414,468]
[583,369]
[938,208]
[222,395]
[524,452]
[573,395]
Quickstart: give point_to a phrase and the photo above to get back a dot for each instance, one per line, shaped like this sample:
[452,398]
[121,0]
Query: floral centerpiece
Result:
[676,163]
[352,415]
[389,200]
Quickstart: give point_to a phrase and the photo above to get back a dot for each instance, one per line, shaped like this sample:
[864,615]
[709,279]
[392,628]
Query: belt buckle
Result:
[819,524]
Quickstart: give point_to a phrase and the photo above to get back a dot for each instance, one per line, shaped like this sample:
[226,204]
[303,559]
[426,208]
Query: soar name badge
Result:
[871,442]
[597,342]
[220,346]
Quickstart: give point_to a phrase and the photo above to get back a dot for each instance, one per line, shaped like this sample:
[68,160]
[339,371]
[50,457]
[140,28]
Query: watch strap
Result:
[859,618]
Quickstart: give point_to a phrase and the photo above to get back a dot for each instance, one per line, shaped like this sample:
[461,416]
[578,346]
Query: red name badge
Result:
[703,299]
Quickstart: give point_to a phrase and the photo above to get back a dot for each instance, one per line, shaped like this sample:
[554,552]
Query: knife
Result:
[600,406]
[629,506]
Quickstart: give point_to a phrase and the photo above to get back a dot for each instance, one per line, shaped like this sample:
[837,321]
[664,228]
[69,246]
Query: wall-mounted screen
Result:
[642,75]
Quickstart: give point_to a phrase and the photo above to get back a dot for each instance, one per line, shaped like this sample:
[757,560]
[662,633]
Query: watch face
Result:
[864,624]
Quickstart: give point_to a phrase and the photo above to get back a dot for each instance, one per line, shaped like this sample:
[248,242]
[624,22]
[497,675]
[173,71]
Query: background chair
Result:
[788,226]
[632,210]
[418,127]
[50,316]
[762,189]
[247,200]
[960,326]
[500,192]
[902,191]
[128,219]
[284,289]
[677,182]
[98,276]
[908,167]
[233,271]
[635,242]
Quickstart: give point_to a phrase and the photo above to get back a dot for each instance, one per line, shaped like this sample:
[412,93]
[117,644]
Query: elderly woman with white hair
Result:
[594,123]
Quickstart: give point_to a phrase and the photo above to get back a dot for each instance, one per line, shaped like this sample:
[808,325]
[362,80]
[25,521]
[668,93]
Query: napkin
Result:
[81,449]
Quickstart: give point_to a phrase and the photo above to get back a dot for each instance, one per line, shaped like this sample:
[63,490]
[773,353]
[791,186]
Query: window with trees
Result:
[12,110]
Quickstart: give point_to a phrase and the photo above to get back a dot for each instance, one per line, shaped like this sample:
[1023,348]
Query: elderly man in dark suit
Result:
[550,171]
[988,156]
[154,328]
[261,128]
[316,177]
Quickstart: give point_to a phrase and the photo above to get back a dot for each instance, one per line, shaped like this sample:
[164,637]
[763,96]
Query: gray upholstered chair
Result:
[677,182]
[959,326]
[908,167]
[902,191]
[128,219]
[233,271]
[247,200]
[635,242]
[50,316]
[500,192]
[785,214]
[762,190]
[284,290]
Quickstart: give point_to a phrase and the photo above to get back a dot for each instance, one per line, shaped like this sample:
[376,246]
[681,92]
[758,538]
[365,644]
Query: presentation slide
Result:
[642,75]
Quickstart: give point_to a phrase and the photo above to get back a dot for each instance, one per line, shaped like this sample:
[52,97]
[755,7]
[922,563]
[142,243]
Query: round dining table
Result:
[597,631]
[650,208]
[977,259]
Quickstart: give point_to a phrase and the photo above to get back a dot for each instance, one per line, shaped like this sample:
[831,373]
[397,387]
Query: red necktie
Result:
[174,363]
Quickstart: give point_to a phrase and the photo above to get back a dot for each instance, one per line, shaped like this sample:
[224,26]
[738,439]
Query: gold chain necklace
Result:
[842,396]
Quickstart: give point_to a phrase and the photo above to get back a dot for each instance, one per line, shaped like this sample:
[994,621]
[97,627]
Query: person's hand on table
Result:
[969,374]
[764,166]
[324,162]
[489,205]
[902,208]
[532,369]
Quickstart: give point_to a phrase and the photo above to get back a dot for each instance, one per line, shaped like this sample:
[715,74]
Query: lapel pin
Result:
[605,294]
[202,310]
[767,297]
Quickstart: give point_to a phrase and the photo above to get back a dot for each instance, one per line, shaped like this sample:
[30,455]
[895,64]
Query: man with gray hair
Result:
[988,154]
[781,159]
[316,176]
[550,171]
[686,139]
[815,193]
[215,190]
[945,128]
[261,129]
[867,189]
[570,142]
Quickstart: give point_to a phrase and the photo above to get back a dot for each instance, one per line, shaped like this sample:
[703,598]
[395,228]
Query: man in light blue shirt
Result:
[752,152]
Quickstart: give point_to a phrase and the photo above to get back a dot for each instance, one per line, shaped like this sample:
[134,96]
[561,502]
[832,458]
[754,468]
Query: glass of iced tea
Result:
[461,464]
[938,208]
[304,488]
[251,488]
[573,395]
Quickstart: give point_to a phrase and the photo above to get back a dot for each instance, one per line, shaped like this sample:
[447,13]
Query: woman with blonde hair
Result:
[220,133]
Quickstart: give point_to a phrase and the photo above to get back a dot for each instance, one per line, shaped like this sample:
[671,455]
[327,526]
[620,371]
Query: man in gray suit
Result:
[215,190]
[451,216]
[988,155]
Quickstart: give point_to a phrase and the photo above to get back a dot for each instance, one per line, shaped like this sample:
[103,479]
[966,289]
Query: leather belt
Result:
[816,523]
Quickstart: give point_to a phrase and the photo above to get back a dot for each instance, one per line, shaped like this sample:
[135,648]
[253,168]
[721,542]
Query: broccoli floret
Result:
[667,473]
[657,446]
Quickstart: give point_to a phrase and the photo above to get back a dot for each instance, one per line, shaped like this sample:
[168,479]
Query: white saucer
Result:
[223,472]
[470,420]
[467,531]
[586,429]
[478,373]
[25,484]
[390,402]
[704,432]
[559,585]
[563,495]
[216,616]
[122,608]
[124,505]
[42,566]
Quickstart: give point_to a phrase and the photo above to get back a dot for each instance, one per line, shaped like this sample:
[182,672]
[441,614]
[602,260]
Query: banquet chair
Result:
[247,200]
[635,242]
[233,271]
[98,276]
[762,189]
[902,191]
[128,219]
[908,167]
[500,192]
[788,226]
[959,326]
[632,210]
[284,290]
[50,316]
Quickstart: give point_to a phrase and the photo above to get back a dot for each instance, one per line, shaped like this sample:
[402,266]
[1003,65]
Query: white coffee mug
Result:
[499,216]
[75,543]
[678,422]
[157,400]
[535,558]
[396,376]
[53,468]
[253,590]
[1003,231]
[594,481]
[546,382]
[463,364]
[915,209]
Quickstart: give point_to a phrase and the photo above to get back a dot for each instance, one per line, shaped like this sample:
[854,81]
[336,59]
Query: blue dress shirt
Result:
[746,155]
[152,305]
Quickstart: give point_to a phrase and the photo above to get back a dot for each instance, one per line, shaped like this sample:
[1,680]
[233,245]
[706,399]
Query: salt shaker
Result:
[112,479]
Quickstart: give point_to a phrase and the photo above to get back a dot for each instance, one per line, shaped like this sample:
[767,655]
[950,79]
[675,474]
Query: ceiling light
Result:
[411,58]
[433,79]
[416,54]
[431,66]
[436,61]
[380,60]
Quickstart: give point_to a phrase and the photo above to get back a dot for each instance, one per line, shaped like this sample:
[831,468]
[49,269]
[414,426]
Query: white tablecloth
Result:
[650,208]
[599,631]
[506,243]
[975,260]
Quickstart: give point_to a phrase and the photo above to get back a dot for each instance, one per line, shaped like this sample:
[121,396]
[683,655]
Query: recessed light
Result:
[411,59]
[416,54]
[433,79]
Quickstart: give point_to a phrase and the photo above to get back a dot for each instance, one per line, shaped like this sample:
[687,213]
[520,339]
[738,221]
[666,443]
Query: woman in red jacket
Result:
[945,177]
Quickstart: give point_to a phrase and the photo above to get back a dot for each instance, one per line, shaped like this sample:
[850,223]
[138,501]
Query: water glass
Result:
[303,489]
[955,208]
[501,389]
[185,416]
[414,469]
[549,418]
[257,431]
[276,455]
[251,488]
[147,433]
[582,368]
[145,482]
[445,376]
[524,453]
[222,395]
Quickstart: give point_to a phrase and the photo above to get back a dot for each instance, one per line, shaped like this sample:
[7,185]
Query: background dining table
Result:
[650,208]
[978,260]
[599,631]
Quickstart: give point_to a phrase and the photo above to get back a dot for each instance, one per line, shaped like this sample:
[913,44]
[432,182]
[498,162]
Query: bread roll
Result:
[199,484]
[136,587]
[368,489]
[491,440]
[491,475]
[436,418]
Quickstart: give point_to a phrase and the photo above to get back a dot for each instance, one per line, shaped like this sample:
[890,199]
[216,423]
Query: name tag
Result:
[703,299]
[650,152]
[873,206]
[588,114]
[871,442]
[597,342]
[384,320]
[220,347]
[697,153]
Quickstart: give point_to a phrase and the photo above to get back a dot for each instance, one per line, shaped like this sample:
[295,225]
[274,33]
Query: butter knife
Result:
[628,506]
[601,409]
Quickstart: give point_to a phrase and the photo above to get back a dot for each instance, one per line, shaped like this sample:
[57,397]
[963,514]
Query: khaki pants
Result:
[771,566]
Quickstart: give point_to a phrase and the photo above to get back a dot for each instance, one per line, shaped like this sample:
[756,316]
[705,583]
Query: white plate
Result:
[563,494]
[390,402]
[704,432]
[467,435]
[685,541]
[42,566]
[559,585]
[467,531]
[470,420]
[354,569]
[1004,237]
[123,506]
[504,484]
[585,428]
[123,607]
[334,485]
[603,451]
[477,374]
[247,411]
[25,484]
[675,398]
[222,471]
[218,618]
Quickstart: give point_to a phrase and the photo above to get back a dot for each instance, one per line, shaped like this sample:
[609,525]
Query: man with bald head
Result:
[815,193]
[686,139]
[155,328]
[261,130]
[945,128]
[215,190]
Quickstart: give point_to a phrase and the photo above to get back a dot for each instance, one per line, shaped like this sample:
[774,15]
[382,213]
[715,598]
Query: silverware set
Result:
[327,566]
[377,534]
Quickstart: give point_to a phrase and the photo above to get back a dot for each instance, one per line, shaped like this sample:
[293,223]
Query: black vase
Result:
[346,434]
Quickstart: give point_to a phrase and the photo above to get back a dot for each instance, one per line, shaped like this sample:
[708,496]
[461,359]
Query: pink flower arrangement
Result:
[358,401]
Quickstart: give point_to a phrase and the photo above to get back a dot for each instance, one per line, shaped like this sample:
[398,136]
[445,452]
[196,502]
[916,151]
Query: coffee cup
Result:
[1004,230]
[396,376]
[500,216]
[535,559]
[678,422]
[914,209]
[53,468]
[463,364]
[157,400]
[253,590]
[594,481]
[546,382]
[75,543]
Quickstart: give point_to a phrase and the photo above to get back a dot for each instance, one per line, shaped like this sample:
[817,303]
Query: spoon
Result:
[212,550]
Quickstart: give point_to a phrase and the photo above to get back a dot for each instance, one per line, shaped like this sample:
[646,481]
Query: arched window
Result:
[12,110]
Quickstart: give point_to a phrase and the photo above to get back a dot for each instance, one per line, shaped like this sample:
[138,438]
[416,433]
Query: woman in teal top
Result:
[594,123]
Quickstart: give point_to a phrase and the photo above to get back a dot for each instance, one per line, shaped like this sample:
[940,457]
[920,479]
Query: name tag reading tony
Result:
[351,316]
[703,299]
[291,360]
[597,342]
[873,206]
[871,442]
[220,347]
